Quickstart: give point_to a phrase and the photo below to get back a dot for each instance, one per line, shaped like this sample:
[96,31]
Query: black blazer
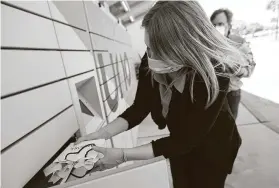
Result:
[207,134]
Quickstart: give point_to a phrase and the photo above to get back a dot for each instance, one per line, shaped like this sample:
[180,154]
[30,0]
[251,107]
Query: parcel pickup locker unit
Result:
[63,75]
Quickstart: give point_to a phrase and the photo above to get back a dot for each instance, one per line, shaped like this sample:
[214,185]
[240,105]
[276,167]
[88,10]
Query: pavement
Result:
[264,81]
[256,165]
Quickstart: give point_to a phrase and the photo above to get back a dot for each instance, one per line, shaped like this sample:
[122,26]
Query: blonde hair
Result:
[180,33]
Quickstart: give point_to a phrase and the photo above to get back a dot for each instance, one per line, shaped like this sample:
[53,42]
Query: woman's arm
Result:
[135,114]
[246,71]
[115,156]
[117,126]
[141,107]
[192,131]
[143,152]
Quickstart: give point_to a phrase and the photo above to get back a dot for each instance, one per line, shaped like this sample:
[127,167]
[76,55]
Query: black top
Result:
[207,133]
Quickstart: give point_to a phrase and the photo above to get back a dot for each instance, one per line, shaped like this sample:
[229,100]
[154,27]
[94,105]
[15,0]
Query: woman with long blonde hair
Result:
[183,81]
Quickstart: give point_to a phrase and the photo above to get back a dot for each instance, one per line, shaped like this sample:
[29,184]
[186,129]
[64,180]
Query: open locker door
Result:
[153,173]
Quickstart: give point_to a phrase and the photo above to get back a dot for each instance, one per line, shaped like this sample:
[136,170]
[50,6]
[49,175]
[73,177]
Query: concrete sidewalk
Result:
[257,164]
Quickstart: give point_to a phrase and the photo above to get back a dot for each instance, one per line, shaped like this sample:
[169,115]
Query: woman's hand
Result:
[101,134]
[112,158]
[115,156]
[82,139]
[245,48]
[119,125]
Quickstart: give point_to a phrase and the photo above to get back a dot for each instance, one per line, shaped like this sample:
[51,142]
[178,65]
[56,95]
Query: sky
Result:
[245,10]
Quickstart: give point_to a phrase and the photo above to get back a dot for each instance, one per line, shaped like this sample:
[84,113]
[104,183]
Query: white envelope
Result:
[76,148]
[54,178]
[65,171]
[53,167]
[68,174]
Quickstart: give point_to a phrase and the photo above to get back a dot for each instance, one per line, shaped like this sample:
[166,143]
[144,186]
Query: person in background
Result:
[183,83]
[222,20]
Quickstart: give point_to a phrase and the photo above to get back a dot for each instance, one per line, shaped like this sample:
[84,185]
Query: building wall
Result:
[50,49]
[137,37]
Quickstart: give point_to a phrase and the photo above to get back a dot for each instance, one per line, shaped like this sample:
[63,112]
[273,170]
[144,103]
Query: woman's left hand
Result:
[112,158]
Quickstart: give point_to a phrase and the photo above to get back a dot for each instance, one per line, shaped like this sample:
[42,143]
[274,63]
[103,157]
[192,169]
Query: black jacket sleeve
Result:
[141,107]
[197,123]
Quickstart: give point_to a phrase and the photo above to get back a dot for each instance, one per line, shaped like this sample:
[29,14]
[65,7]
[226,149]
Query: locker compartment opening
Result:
[88,97]
[89,104]
[89,109]
[42,181]
[39,179]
